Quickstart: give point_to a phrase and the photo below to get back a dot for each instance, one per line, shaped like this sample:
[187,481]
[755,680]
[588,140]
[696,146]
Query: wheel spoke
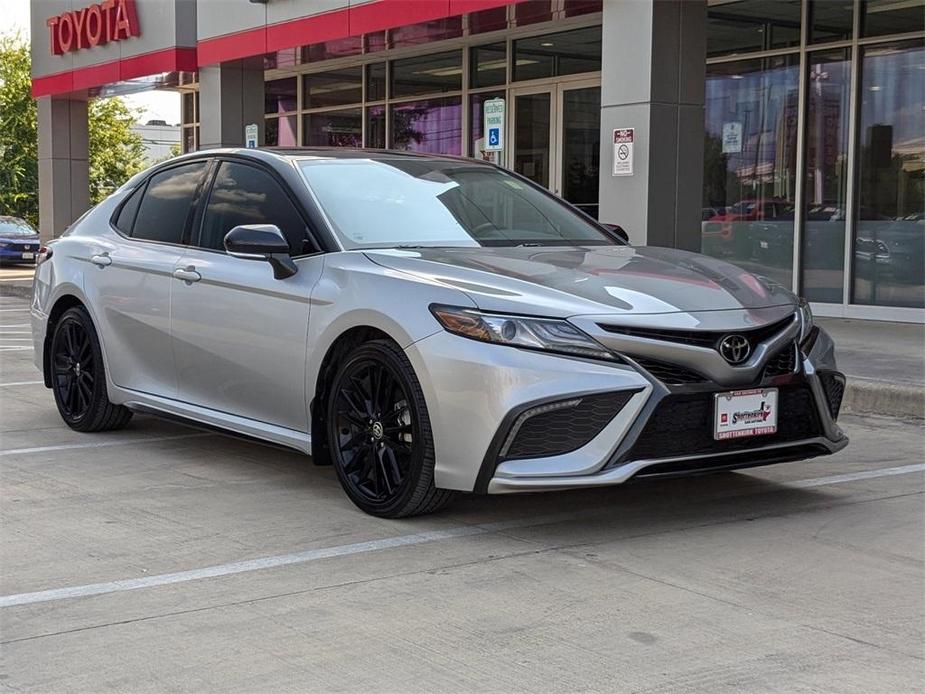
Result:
[359,412]
[354,441]
[381,473]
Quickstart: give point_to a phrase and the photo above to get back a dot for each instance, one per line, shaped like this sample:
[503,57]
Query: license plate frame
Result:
[745,413]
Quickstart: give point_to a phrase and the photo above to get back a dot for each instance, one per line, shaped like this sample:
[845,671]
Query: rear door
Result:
[130,278]
[239,335]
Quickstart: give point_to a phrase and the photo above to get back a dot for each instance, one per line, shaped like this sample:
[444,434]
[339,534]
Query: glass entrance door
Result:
[556,136]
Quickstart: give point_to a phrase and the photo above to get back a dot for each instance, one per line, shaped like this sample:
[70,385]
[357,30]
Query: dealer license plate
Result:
[28,256]
[741,413]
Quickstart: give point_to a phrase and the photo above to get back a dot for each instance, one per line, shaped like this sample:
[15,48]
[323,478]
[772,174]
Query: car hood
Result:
[566,281]
[20,238]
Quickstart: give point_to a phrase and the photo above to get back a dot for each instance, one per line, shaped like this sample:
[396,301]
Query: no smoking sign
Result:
[623,151]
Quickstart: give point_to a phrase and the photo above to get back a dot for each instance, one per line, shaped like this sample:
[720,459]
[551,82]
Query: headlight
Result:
[806,320]
[547,334]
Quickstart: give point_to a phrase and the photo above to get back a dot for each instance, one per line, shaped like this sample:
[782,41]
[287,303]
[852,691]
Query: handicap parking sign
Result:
[494,137]
[493,125]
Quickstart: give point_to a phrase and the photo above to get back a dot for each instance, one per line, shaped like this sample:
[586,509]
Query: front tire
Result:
[79,378]
[379,434]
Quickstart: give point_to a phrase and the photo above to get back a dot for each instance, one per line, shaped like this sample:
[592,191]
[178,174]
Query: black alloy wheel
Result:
[78,378]
[379,434]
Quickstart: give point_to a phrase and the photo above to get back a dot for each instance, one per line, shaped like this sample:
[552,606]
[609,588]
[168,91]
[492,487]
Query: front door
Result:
[239,335]
[556,137]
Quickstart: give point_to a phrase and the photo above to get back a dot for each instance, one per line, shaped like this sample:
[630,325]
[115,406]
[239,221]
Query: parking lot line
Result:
[100,444]
[21,383]
[310,555]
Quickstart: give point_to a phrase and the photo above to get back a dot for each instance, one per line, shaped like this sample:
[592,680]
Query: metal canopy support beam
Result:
[231,97]
[63,158]
[652,80]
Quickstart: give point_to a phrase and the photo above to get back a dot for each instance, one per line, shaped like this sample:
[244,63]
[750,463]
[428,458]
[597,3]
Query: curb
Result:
[864,396]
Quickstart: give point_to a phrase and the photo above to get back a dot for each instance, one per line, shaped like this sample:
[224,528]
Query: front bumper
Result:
[478,394]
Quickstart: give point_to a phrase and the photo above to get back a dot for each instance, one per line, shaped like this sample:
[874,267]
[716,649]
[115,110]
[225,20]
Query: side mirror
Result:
[262,242]
[619,231]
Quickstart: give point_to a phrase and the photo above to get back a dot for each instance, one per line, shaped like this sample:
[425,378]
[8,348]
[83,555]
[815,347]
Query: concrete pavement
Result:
[224,565]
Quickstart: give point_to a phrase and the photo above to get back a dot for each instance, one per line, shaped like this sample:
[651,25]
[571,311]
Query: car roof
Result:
[330,153]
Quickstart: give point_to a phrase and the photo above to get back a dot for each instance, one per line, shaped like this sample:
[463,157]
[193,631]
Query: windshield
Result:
[421,202]
[11,226]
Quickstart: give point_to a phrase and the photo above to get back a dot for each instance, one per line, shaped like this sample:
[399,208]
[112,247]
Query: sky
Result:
[162,105]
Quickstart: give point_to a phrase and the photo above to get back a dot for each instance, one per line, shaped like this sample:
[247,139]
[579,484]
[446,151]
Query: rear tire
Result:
[379,434]
[78,376]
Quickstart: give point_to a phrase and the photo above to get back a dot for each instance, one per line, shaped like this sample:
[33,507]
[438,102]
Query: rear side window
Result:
[244,194]
[127,214]
[167,203]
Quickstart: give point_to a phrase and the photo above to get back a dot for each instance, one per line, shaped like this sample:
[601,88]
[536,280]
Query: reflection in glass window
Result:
[752,25]
[426,32]
[338,48]
[279,95]
[749,174]
[573,8]
[488,65]
[333,88]
[532,12]
[565,53]
[427,74]
[825,193]
[433,126]
[334,128]
[493,19]
[281,132]
[830,21]
[477,121]
[889,245]
[375,127]
[167,203]
[246,195]
[375,81]
[881,17]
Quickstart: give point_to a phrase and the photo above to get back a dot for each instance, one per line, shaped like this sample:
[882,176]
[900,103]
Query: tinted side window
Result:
[127,214]
[167,203]
[244,194]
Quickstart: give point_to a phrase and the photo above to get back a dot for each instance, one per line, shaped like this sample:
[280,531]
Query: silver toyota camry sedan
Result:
[427,325]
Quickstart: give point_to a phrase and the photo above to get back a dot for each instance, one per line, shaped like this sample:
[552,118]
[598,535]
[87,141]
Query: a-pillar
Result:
[652,80]
[64,169]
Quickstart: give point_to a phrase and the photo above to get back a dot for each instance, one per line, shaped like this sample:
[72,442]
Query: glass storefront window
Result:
[826,184]
[881,17]
[476,121]
[375,41]
[188,116]
[375,82]
[552,55]
[426,32]
[338,48]
[488,65]
[483,21]
[433,126]
[375,127]
[283,58]
[581,147]
[334,128]
[889,243]
[574,8]
[281,132]
[280,95]
[333,88]
[750,164]
[740,26]
[830,20]
[427,74]
[532,12]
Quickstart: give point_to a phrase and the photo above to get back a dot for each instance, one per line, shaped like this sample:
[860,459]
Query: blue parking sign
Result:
[494,137]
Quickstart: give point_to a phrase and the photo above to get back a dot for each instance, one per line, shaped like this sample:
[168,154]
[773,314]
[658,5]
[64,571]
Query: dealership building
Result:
[786,136]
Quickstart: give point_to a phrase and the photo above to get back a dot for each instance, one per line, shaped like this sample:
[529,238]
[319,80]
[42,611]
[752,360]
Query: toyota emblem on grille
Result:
[735,348]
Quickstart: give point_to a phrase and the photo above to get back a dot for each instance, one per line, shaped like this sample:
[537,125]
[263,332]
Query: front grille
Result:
[670,374]
[557,428]
[782,363]
[682,424]
[833,384]
[700,338]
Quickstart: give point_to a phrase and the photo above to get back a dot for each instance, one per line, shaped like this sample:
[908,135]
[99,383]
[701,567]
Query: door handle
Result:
[188,274]
[101,260]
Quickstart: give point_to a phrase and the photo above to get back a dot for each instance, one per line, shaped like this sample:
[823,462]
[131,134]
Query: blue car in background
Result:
[19,241]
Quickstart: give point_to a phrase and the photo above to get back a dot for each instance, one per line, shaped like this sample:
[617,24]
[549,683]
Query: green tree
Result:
[19,176]
[116,153]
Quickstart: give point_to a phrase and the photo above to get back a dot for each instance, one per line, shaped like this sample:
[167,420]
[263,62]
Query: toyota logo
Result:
[735,348]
